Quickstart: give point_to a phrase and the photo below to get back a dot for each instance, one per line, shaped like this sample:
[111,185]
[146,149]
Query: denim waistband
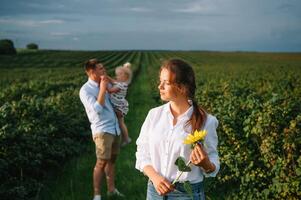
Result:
[196,187]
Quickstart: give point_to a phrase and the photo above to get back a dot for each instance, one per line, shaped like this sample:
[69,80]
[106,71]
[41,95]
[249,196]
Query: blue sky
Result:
[226,25]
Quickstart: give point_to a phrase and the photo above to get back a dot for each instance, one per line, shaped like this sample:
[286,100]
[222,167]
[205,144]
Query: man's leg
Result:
[110,173]
[103,144]
[110,169]
[98,175]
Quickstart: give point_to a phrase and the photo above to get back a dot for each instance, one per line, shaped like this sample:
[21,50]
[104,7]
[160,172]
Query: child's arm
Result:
[113,89]
[111,80]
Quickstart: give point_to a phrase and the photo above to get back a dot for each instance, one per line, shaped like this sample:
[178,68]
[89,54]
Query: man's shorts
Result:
[106,145]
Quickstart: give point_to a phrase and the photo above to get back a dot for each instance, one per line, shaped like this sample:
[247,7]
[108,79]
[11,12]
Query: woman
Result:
[161,137]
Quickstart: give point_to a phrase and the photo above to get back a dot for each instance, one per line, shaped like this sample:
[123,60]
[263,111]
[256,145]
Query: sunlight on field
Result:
[255,96]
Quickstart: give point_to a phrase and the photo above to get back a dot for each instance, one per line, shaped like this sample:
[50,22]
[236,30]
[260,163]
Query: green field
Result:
[46,147]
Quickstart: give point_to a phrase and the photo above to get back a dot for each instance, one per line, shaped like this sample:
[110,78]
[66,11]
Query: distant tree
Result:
[32,46]
[7,47]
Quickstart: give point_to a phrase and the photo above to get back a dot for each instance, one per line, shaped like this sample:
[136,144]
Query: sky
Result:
[214,25]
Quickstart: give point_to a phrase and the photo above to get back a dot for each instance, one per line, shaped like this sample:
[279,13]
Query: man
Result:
[104,126]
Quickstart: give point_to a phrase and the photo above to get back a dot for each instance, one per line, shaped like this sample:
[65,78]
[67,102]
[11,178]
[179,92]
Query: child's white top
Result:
[118,98]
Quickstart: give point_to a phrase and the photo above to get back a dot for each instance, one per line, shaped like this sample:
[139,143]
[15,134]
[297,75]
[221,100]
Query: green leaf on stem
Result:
[187,187]
[180,162]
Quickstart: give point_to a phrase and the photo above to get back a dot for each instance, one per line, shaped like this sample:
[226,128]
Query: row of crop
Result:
[256,101]
[258,105]
[37,134]
[43,124]
[259,143]
[119,60]
[44,66]
[50,59]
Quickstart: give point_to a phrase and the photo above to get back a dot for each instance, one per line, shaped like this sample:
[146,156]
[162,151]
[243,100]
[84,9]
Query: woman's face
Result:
[168,91]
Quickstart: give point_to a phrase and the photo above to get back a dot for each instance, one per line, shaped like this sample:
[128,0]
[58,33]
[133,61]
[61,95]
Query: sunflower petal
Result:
[195,137]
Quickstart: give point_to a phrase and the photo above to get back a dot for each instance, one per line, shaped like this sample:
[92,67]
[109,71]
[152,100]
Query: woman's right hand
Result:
[162,185]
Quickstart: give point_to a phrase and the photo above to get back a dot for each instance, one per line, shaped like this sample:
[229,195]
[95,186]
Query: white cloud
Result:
[196,7]
[61,6]
[60,33]
[140,9]
[172,24]
[30,23]
[53,21]
[32,5]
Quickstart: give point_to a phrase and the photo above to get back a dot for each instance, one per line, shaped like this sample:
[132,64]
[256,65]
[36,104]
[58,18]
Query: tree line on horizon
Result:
[7,47]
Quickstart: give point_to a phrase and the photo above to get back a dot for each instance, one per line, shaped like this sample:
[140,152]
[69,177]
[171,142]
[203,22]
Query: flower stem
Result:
[188,163]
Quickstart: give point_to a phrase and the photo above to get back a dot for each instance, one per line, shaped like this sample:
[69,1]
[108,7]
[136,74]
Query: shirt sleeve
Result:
[90,101]
[143,153]
[211,141]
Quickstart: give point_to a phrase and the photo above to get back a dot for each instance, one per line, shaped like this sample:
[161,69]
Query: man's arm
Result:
[102,90]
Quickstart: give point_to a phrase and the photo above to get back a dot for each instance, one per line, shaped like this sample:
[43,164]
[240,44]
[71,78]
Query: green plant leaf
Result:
[180,162]
[298,171]
[187,187]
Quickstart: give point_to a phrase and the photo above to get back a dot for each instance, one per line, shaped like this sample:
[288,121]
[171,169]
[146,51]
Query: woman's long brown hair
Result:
[183,76]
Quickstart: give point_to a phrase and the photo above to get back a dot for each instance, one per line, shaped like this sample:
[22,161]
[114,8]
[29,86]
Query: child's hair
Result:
[127,64]
[127,69]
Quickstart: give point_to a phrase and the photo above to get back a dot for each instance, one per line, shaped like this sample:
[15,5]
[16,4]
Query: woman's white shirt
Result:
[160,143]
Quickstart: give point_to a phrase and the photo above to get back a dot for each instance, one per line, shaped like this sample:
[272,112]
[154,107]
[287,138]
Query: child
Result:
[118,93]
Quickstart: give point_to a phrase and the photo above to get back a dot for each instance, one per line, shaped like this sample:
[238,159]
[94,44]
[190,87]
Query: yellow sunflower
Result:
[195,137]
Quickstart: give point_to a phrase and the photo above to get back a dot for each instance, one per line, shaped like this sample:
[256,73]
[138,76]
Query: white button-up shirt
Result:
[160,143]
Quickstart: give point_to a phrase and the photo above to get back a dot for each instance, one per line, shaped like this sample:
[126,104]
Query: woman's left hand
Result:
[199,157]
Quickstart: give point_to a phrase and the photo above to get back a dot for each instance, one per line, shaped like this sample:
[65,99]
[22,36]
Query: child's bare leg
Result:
[124,130]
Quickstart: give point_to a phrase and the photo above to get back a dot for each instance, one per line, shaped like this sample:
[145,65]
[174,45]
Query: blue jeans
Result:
[178,194]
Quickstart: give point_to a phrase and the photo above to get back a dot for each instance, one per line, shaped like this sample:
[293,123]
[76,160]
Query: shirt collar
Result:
[94,83]
[184,116]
